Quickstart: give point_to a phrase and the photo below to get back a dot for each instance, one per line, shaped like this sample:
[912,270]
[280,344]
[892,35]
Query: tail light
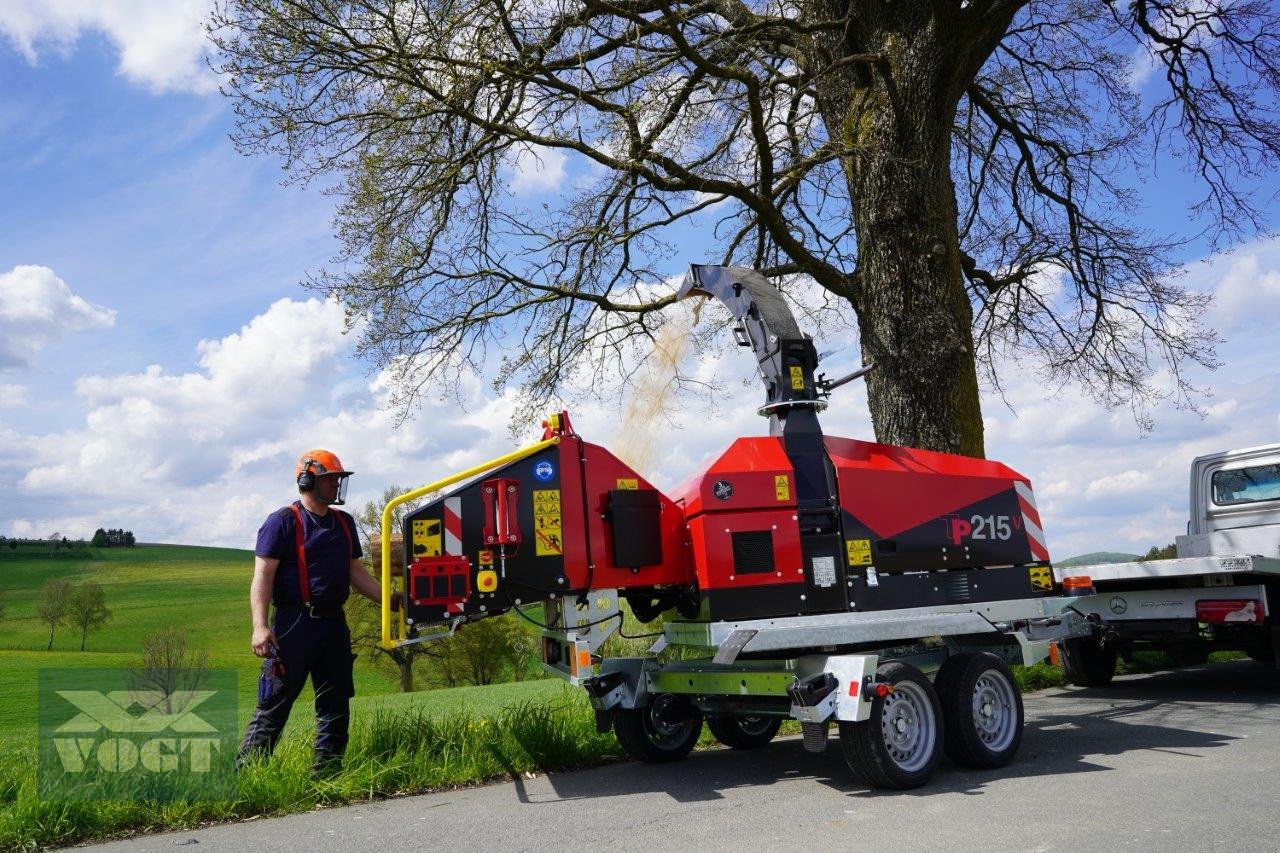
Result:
[1078,585]
[1229,611]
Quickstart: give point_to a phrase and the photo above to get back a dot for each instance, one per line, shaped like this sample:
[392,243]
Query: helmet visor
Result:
[331,489]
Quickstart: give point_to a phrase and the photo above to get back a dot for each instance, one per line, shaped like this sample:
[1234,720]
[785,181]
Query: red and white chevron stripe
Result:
[1031,520]
[453,526]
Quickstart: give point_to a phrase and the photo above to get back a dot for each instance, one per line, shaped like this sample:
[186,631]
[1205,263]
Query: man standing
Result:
[306,560]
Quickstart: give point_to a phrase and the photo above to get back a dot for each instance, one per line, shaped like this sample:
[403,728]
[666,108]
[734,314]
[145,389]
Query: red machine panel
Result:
[754,473]
[735,550]
[605,473]
[917,509]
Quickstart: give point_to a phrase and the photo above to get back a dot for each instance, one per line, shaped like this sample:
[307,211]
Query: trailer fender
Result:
[850,671]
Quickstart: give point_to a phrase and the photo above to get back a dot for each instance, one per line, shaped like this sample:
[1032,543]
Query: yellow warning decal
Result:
[426,538]
[628,483]
[859,551]
[1041,577]
[487,580]
[486,557]
[782,487]
[797,378]
[546,523]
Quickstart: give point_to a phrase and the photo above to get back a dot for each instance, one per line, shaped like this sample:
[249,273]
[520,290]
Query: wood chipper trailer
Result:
[802,576]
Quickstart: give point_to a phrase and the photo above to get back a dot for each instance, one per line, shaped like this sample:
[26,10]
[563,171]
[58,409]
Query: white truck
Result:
[1220,593]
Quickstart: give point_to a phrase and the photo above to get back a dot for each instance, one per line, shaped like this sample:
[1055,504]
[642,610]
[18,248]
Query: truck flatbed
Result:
[1173,568]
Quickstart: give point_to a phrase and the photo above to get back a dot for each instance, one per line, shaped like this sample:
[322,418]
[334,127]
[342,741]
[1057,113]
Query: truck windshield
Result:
[1246,485]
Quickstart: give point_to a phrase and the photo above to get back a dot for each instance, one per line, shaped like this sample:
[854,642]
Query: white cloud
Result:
[202,456]
[535,169]
[1248,293]
[12,396]
[161,42]
[36,308]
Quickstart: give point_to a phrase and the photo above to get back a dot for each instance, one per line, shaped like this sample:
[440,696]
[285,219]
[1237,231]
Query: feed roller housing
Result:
[787,524]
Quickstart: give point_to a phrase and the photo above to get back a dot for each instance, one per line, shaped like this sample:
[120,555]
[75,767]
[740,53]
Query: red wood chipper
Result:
[825,579]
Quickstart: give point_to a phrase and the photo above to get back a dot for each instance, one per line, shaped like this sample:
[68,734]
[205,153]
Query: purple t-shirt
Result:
[328,556]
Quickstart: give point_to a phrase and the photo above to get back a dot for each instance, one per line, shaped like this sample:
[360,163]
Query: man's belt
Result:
[313,611]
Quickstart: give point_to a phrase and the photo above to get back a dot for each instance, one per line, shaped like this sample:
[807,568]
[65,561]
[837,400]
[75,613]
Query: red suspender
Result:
[304,581]
[346,528]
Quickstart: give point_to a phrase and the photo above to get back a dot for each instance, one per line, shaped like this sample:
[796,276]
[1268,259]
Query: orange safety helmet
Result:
[320,463]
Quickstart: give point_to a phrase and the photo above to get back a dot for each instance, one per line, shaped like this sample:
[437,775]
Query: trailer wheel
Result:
[900,744]
[1086,664]
[664,730]
[746,731]
[981,710]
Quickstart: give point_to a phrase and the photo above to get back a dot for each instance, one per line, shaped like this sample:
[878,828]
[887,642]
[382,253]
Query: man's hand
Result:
[397,601]
[264,642]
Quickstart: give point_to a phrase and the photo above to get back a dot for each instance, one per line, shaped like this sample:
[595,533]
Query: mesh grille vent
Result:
[753,552]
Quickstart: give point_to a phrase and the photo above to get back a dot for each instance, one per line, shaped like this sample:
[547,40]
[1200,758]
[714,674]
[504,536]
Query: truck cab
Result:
[1235,504]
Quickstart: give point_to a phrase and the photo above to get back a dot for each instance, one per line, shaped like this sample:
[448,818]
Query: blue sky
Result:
[161,367]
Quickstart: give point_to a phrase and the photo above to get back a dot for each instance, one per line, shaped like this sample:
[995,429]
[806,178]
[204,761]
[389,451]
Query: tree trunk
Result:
[405,664]
[49,647]
[894,111]
[84,632]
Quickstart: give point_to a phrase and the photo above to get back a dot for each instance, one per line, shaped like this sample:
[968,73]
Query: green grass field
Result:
[203,591]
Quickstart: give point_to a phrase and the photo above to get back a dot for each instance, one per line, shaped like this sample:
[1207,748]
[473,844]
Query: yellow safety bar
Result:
[514,456]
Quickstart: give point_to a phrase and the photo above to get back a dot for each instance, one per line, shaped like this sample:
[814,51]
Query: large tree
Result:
[961,173]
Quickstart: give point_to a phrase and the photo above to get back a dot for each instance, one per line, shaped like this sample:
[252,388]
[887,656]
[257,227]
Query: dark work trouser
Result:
[321,649]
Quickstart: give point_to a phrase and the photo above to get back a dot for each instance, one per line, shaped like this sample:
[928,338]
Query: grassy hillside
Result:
[1097,557]
[203,591]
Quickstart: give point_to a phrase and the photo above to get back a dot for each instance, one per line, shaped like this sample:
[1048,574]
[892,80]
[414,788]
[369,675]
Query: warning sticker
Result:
[1041,578]
[546,523]
[628,483]
[426,538]
[859,551]
[824,571]
[782,487]
[797,378]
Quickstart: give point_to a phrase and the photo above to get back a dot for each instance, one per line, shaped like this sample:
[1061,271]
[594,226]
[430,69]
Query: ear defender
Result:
[307,479]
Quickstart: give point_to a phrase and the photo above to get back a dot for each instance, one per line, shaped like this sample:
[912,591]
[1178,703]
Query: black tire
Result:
[981,710]
[664,730]
[900,745]
[746,731]
[1085,664]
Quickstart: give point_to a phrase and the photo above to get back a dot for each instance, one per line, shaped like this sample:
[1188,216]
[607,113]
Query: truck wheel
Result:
[746,731]
[981,710]
[1085,664]
[900,745]
[664,730]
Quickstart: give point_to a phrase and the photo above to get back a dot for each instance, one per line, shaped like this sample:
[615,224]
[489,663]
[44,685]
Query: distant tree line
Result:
[1168,552]
[113,538]
[53,545]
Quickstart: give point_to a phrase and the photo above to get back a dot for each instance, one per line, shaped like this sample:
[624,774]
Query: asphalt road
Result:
[1186,759]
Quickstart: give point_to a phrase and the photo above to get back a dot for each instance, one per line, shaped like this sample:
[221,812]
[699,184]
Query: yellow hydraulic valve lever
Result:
[387,641]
